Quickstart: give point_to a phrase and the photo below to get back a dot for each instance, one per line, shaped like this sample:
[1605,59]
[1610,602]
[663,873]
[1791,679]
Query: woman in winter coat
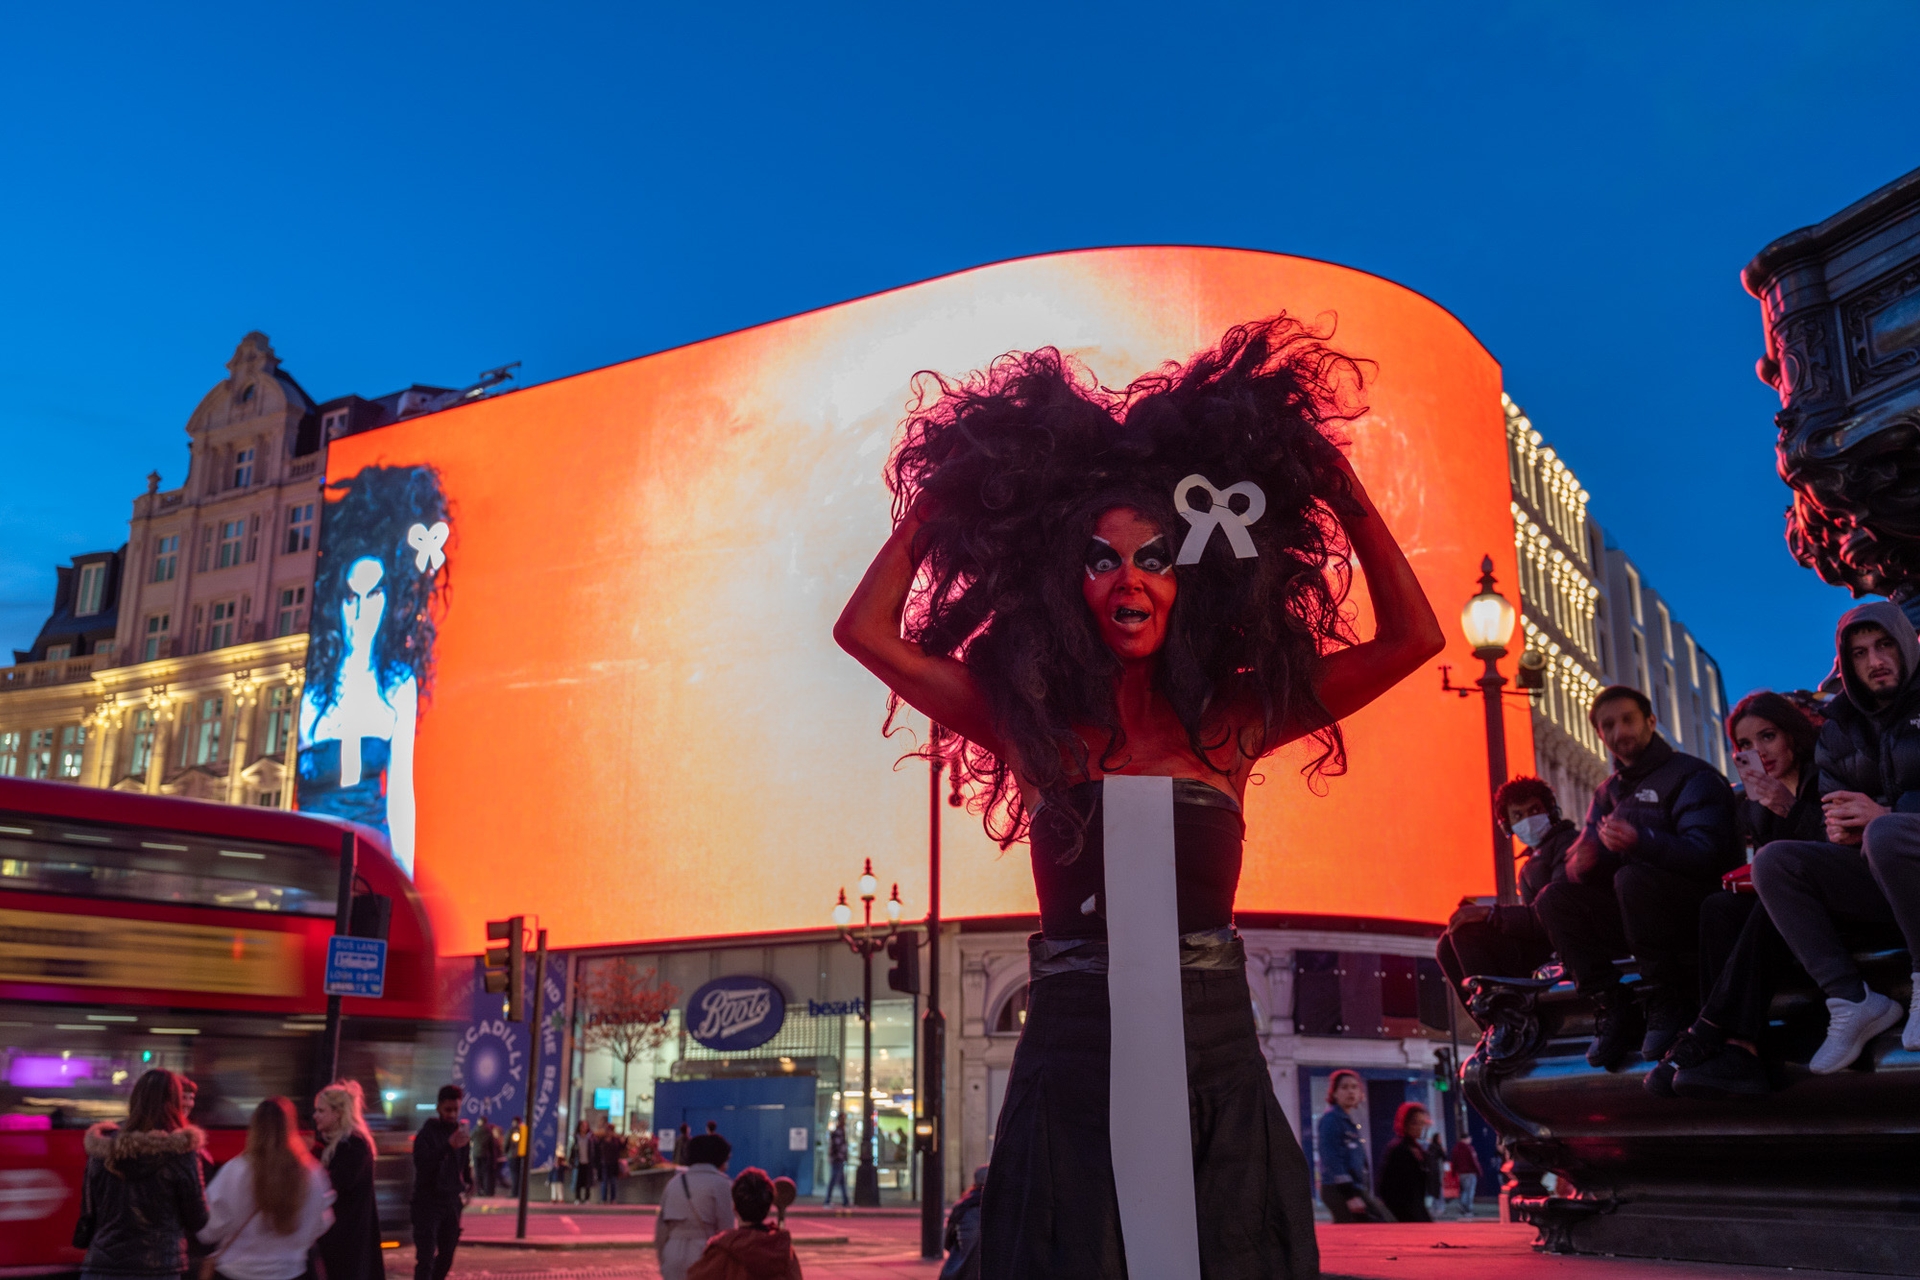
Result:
[351,1248]
[1403,1167]
[697,1206]
[142,1195]
[269,1204]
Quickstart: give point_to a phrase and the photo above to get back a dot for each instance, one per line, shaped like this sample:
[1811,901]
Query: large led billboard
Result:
[572,644]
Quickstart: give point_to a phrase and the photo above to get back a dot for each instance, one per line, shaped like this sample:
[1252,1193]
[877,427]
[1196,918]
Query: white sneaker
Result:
[1910,1038]
[1850,1026]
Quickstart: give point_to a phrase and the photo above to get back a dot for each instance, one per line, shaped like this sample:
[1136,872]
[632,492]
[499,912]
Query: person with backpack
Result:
[270,1204]
[142,1195]
[697,1206]
[756,1249]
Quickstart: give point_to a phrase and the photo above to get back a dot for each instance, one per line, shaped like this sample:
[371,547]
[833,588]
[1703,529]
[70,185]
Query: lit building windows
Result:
[90,594]
[166,557]
[279,719]
[154,644]
[9,754]
[40,754]
[299,527]
[292,613]
[145,726]
[59,652]
[203,744]
[73,745]
[231,533]
[222,626]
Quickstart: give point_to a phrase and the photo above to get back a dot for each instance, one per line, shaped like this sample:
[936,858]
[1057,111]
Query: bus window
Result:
[96,860]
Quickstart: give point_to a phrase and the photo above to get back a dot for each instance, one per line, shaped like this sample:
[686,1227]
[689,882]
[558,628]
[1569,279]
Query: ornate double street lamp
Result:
[865,943]
[1487,619]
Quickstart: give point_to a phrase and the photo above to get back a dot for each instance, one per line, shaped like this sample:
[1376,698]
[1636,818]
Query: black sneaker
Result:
[1690,1048]
[1731,1073]
[1668,1014]
[1617,1029]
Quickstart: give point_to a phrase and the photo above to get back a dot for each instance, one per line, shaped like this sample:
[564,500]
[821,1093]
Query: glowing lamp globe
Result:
[869,887]
[842,913]
[894,905]
[1488,618]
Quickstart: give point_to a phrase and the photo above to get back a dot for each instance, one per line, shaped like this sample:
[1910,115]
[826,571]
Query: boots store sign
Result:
[736,1013]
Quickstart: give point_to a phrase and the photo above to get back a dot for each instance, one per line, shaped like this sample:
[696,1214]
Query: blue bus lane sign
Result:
[356,966]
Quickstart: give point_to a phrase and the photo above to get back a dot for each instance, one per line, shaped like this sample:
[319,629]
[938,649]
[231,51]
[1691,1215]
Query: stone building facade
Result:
[173,666]
[1587,609]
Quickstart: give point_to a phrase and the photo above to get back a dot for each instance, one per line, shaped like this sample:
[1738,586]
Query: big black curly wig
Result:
[1011,466]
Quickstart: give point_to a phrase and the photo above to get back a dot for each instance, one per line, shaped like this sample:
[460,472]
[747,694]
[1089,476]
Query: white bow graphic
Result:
[1219,515]
[428,544]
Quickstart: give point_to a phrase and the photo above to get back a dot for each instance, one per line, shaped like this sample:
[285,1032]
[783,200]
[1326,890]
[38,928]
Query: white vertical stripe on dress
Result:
[1149,1131]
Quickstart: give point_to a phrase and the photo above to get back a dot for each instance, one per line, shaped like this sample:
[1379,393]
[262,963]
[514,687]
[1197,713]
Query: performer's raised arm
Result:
[1405,631]
[941,688]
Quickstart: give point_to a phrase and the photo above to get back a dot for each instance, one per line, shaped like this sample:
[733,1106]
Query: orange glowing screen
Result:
[640,727]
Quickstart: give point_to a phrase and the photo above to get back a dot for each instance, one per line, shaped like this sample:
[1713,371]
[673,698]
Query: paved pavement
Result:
[592,1243]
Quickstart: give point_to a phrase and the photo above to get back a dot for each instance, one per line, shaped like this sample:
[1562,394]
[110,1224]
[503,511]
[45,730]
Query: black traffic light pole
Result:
[329,1060]
[933,1036]
[533,1080]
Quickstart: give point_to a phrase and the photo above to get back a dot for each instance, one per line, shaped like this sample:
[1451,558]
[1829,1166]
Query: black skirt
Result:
[1050,1210]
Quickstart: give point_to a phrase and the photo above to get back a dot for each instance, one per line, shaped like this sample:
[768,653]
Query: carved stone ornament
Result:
[1841,306]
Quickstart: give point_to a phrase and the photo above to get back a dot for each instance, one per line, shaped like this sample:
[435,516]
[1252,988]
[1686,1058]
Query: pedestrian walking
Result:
[516,1156]
[1466,1169]
[837,1161]
[1403,1166]
[268,1206]
[756,1249]
[487,1152]
[442,1180]
[580,1155]
[1436,1175]
[612,1147]
[350,1250]
[142,1195]
[963,1232]
[697,1206]
[1346,1181]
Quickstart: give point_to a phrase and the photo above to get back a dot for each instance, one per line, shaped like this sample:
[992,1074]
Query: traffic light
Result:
[507,964]
[904,950]
[1443,1070]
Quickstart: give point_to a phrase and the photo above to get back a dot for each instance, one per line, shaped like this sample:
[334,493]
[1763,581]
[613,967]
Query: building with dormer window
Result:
[172,666]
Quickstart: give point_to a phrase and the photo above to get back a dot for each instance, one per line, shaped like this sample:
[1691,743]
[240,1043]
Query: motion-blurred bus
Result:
[141,931]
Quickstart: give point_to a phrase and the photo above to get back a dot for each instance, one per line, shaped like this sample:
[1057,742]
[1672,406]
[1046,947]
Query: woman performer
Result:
[1113,671]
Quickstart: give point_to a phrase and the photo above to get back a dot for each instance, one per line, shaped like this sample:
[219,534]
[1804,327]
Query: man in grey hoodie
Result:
[1869,871]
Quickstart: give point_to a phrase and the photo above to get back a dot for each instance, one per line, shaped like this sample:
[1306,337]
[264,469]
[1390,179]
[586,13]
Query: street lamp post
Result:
[866,1179]
[1488,620]
[932,1095]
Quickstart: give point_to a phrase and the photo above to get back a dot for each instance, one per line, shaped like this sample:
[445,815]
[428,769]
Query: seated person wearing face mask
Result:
[1510,942]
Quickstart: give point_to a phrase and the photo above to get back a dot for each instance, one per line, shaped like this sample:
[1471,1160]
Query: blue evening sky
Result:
[400,193]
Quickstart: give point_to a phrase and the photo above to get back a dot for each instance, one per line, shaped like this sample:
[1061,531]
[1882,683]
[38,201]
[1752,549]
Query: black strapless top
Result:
[1207,836]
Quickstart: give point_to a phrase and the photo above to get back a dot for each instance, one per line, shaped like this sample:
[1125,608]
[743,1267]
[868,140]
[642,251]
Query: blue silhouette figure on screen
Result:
[382,568]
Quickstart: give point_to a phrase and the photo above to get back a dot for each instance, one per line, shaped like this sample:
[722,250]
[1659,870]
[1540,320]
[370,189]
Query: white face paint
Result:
[361,612]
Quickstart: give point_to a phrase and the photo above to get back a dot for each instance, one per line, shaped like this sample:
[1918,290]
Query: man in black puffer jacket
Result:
[1658,837]
[1869,873]
[144,1197]
[1509,941]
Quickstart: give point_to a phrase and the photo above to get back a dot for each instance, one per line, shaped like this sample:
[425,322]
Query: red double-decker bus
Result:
[140,931]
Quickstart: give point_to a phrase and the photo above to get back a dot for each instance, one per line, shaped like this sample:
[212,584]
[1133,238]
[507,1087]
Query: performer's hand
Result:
[1356,1205]
[458,1140]
[1582,862]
